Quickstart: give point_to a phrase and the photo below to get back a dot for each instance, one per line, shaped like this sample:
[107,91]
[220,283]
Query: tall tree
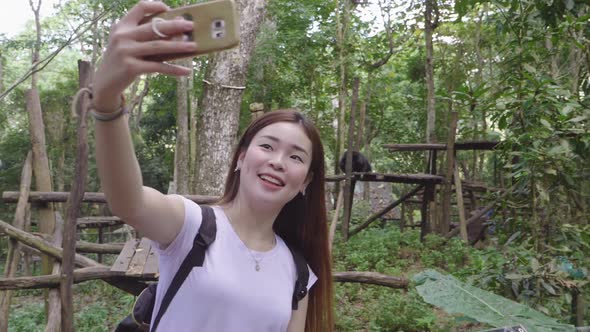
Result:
[343,9]
[1,72]
[182,151]
[36,50]
[223,87]
[431,17]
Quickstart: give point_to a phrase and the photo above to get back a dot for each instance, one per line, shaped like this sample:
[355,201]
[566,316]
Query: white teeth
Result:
[271,179]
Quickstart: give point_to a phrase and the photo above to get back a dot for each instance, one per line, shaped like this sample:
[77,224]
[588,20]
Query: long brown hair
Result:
[302,222]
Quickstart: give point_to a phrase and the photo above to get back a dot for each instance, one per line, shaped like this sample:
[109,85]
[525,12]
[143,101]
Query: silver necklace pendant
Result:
[257,267]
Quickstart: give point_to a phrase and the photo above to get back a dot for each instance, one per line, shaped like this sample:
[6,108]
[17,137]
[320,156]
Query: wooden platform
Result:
[137,260]
[419,178]
[471,145]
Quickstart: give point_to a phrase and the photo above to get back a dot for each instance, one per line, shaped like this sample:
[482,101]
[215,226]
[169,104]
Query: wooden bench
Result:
[137,260]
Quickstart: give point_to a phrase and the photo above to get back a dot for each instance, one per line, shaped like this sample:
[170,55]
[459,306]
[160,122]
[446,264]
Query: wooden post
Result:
[100,241]
[27,258]
[54,299]
[402,218]
[13,256]
[446,201]
[335,220]
[73,205]
[428,197]
[577,308]
[460,207]
[349,182]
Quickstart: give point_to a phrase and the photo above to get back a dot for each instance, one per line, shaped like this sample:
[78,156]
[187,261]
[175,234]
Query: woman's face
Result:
[275,165]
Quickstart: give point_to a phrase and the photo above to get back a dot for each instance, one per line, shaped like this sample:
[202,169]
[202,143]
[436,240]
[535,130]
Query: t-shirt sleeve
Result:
[183,242]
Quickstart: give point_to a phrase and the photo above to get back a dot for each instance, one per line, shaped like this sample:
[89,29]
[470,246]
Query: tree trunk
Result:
[136,105]
[193,120]
[575,64]
[349,182]
[182,151]
[222,96]
[13,256]
[429,27]
[95,35]
[40,166]
[36,48]
[342,19]
[1,72]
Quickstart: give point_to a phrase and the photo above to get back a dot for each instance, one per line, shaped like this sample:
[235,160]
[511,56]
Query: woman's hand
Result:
[129,42]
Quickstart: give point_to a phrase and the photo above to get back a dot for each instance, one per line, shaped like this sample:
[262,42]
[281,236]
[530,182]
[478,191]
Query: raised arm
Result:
[159,217]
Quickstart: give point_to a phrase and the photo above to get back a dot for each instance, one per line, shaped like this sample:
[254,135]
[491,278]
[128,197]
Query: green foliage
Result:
[543,281]
[372,308]
[14,145]
[455,297]
[28,318]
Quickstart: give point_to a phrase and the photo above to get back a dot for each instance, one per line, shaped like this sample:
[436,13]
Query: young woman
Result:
[274,195]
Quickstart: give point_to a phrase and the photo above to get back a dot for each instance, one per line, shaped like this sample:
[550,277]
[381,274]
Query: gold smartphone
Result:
[216,27]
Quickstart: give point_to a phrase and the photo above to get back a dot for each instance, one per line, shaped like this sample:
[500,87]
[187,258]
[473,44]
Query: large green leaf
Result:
[453,296]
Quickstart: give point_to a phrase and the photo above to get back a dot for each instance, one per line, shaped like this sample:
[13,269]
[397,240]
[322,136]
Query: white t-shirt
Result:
[226,294]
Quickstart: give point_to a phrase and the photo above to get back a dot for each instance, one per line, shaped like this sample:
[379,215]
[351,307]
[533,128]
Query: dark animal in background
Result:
[359,162]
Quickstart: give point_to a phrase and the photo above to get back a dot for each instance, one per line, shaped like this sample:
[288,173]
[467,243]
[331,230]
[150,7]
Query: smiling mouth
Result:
[272,180]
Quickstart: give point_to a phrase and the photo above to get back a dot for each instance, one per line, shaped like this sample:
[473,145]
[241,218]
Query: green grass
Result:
[98,307]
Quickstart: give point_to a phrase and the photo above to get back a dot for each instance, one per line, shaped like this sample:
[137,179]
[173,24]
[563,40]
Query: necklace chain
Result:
[256,261]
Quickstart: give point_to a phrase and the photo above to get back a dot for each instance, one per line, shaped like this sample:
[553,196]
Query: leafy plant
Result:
[456,297]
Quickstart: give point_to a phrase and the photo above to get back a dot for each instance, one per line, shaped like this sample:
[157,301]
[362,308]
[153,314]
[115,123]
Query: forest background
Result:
[517,72]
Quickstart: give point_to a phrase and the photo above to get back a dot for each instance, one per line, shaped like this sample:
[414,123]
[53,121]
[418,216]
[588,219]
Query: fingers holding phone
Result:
[215,28]
[130,42]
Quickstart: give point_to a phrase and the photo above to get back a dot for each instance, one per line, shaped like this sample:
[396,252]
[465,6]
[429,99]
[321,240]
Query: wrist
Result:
[108,111]
[104,104]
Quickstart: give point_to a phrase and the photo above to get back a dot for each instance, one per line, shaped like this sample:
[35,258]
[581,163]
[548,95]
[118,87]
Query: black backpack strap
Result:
[300,290]
[205,236]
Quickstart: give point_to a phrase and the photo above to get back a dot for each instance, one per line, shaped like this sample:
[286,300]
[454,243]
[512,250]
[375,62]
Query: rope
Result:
[75,111]
[226,86]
